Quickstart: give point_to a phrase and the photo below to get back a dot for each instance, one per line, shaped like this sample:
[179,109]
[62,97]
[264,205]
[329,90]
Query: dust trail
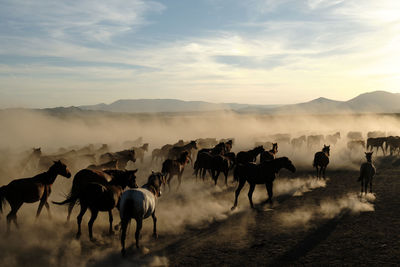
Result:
[328,209]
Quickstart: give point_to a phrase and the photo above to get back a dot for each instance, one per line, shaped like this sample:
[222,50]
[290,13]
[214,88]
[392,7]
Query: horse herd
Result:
[107,185]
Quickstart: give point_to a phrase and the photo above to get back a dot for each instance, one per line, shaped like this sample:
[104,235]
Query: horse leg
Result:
[41,204]
[48,209]
[137,233]
[237,192]
[70,207]
[124,226]
[362,185]
[250,195]
[226,177]
[91,221]
[216,177]
[155,235]
[323,171]
[12,215]
[317,171]
[179,180]
[269,186]
[79,220]
[370,186]
[110,219]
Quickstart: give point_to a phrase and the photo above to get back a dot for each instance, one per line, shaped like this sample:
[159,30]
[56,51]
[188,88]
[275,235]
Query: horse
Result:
[356,145]
[139,204]
[332,138]
[270,154]
[172,167]
[263,173]
[139,151]
[298,142]
[354,135]
[156,154]
[376,142]
[176,151]
[250,155]
[30,190]
[314,140]
[201,163]
[122,156]
[367,172]
[222,163]
[100,197]
[113,164]
[321,159]
[86,176]
[393,142]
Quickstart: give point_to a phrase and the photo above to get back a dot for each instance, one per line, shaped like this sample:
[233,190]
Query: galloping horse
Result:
[101,197]
[139,204]
[176,151]
[86,176]
[367,172]
[263,173]
[174,167]
[30,190]
[140,151]
[122,156]
[321,159]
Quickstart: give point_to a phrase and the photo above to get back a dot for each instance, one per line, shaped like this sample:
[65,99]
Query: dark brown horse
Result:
[86,176]
[321,161]
[249,156]
[30,190]
[101,197]
[122,156]
[172,167]
[376,143]
[270,154]
[176,151]
[113,164]
[263,173]
[139,151]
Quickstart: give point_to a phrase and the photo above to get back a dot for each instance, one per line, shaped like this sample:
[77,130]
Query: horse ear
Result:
[134,171]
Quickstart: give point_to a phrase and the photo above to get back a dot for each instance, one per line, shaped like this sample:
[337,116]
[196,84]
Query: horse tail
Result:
[236,172]
[2,197]
[71,198]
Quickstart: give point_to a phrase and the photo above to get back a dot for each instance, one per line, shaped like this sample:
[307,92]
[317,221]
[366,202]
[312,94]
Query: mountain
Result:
[163,105]
[373,102]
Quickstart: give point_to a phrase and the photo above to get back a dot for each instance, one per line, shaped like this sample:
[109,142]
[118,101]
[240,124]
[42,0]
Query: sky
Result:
[78,52]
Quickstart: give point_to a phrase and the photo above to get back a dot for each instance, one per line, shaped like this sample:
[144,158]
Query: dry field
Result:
[312,222]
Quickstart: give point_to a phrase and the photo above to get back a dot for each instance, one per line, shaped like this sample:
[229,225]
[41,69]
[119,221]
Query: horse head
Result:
[326,149]
[61,169]
[145,146]
[193,144]
[155,181]
[287,164]
[368,155]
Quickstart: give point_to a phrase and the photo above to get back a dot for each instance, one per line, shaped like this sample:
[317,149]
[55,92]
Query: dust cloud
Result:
[196,204]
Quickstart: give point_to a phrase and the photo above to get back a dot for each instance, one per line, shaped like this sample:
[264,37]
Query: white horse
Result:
[139,204]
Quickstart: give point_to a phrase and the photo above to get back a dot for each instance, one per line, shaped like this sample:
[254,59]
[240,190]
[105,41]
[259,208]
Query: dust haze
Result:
[197,204]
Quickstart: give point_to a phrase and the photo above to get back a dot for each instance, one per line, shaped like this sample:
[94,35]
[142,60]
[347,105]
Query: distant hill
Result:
[165,105]
[373,102]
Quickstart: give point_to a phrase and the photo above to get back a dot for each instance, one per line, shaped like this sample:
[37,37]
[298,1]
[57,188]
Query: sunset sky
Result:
[63,53]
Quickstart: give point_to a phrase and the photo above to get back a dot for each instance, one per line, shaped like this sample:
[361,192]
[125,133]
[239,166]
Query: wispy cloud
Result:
[302,48]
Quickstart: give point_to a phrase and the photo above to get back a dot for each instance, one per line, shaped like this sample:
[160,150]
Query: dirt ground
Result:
[311,223]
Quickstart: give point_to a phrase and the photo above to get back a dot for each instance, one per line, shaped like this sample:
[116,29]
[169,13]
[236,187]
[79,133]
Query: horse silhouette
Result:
[263,173]
[321,161]
[30,190]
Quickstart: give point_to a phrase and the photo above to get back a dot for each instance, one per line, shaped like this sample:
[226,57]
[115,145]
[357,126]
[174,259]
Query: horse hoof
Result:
[78,236]
[155,235]
[93,240]
[123,252]
[233,208]
[111,232]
